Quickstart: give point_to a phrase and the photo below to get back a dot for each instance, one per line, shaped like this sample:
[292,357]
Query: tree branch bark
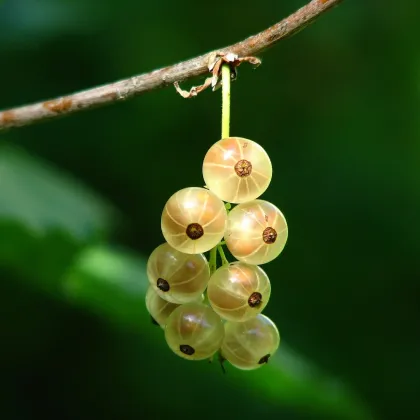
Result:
[198,66]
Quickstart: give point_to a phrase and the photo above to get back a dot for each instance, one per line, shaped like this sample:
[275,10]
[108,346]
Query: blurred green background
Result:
[336,108]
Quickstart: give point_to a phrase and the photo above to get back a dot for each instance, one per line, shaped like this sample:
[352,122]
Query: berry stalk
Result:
[225,133]
[225,261]
[213,260]
[225,100]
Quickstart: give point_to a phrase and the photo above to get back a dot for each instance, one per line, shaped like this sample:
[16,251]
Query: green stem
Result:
[225,100]
[225,261]
[225,133]
[213,260]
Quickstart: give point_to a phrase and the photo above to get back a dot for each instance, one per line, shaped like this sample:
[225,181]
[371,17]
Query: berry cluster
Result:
[205,309]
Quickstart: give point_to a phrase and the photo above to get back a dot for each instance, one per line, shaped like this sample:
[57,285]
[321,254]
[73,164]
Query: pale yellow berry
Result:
[158,308]
[238,291]
[194,331]
[256,232]
[237,170]
[249,345]
[194,220]
[177,277]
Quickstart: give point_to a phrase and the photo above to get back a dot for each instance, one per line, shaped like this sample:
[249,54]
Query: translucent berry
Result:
[194,220]
[194,331]
[158,308]
[256,232]
[249,345]
[238,291]
[175,276]
[237,170]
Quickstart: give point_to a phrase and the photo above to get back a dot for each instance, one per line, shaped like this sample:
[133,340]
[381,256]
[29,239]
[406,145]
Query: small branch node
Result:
[216,60]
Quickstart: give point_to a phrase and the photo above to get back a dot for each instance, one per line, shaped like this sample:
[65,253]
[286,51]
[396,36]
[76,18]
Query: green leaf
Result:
[45,218]
[43,199]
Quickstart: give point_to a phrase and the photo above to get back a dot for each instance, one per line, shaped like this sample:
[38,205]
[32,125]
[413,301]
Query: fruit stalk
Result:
[225,100]
[225,261]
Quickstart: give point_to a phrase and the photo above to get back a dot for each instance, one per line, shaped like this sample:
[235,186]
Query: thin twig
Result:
[198,66]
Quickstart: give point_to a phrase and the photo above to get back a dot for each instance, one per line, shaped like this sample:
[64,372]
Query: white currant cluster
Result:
[205,309]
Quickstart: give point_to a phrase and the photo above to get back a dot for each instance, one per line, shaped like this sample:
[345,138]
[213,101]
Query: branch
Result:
[127,88]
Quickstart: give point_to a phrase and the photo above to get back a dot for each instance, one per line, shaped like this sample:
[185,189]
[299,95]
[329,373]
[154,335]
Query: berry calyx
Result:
[254,301]
[162,285]
[243,168]
[264,359]
[269,235]
[194,231]
[186,349]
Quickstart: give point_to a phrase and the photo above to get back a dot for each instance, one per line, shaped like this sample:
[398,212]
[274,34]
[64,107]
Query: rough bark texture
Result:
[198,66]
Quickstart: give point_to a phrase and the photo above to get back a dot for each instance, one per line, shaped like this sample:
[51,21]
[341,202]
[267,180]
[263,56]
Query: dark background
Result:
[336,108]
